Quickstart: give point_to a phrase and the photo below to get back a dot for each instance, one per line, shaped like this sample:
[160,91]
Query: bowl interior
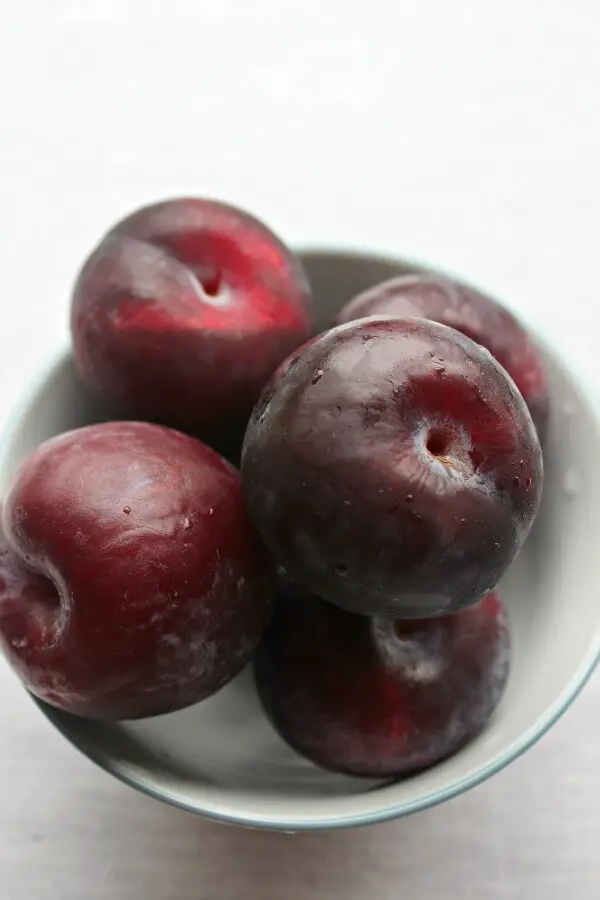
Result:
[223,759]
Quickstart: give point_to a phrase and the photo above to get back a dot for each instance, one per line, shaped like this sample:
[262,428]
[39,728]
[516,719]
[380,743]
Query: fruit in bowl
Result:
[376,696]
[453,303]
[131,581]
[390,465]
[183,311]
[393,468]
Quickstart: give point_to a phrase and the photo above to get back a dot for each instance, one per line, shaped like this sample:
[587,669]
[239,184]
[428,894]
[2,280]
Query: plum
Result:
[182,313]
[431,296]
[378,697]
[132,582]
[392,467]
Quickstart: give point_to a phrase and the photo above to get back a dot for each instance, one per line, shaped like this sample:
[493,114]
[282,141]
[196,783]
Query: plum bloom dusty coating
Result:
[184,310]
[131,580]
[392,467]
[444,300]
[378,697]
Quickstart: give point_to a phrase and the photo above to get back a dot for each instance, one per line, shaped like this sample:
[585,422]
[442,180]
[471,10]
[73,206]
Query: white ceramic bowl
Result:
[223,760]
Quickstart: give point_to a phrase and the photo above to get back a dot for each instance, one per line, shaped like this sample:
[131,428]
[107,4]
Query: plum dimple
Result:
[183,311]
[325,462]
[479,317]
[149,566]
[377,697]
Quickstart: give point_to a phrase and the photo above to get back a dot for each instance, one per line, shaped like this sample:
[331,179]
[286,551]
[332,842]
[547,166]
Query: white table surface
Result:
[466,133]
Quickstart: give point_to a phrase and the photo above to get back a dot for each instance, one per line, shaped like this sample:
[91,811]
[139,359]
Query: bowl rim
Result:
[391,810]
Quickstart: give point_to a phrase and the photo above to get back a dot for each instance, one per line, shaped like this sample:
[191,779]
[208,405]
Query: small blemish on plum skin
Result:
[126,510]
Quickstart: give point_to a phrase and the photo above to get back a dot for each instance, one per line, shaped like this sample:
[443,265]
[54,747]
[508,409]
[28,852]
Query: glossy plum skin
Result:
[431,296]
[131,580]
[393,468]
[378,697]
[182,313]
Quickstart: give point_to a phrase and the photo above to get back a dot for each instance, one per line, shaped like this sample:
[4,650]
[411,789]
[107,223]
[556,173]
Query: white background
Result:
[466,133]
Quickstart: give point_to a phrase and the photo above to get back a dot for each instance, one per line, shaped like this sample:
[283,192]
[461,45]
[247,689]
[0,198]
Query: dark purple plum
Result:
[132,582]
[182,313]
[393,468]
[431,296]
[378,697]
